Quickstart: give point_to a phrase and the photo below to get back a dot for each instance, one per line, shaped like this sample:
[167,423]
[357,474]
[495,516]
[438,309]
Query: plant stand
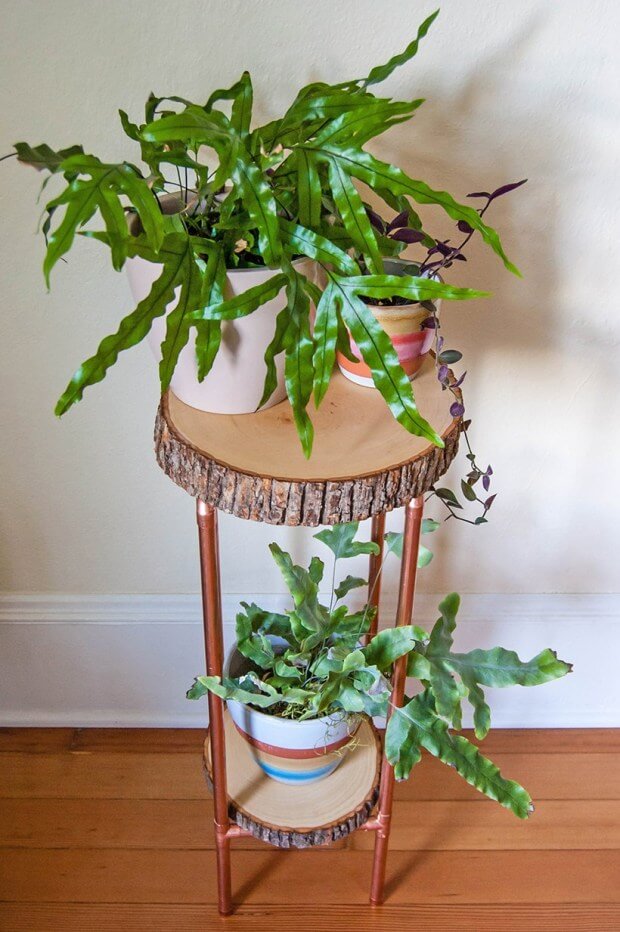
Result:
[252,466]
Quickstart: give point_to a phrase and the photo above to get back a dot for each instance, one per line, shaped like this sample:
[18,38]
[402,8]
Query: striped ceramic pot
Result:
[286,750]
[290,751]
[403,325]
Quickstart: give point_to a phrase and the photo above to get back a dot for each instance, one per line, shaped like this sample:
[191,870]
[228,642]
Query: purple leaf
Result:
[489,471]
[400,220]
[456,409]
[429,323]
[443,248]
[449,356]
[408,236]
[489,502]
[460,380]
[486,482]
[505,188]
[479,194]
[376,220]
[440,342]
[442,373]
[464,227]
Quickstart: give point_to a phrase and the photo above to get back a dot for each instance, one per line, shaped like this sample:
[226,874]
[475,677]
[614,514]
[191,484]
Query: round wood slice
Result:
[363,462]
[290,816]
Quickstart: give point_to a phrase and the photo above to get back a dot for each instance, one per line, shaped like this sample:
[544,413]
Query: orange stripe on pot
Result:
[294,753]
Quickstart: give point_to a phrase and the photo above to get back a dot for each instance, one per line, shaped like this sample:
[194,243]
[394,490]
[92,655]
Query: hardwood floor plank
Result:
[310,877]
[93,917]
[180,776]
[417,826]
[166,740]
[35,740]
[84,774]
[141,740]
[549,740]
[545,776]
[458,826]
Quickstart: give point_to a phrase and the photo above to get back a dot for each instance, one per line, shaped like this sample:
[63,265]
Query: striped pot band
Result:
[411,349]
[291,765]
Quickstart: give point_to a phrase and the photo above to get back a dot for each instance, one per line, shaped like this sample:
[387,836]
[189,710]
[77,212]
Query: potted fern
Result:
[299,682]
[217,268]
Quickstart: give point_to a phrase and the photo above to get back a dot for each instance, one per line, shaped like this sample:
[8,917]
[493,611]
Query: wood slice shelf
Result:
[363,463]
[290,816]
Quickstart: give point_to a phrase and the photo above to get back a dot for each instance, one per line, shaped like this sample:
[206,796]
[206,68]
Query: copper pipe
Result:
[374,571]
[411,543]
[206,516]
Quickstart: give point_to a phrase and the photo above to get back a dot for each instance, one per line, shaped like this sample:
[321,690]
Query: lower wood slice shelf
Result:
[290,816]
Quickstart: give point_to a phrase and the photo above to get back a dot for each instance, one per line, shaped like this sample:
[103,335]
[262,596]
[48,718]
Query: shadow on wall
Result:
[516,337]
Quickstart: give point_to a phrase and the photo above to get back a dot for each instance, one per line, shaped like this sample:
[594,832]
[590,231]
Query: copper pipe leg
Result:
[374,571]
[212,617]
[222,855]
[411,543]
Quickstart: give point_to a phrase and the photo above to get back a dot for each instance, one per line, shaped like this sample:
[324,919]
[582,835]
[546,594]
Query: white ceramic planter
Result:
[290,751]
[235,383]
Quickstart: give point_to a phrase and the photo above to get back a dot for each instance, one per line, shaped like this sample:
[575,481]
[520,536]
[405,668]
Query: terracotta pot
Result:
[286,750]
[235,383]
[403,324]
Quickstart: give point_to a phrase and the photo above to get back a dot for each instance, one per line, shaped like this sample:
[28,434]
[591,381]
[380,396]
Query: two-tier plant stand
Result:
[363,465]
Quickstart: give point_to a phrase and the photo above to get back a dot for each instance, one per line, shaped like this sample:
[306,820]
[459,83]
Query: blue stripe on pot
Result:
[289,776]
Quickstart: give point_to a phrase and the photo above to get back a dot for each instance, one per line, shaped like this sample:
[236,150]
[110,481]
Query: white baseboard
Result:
[128,660]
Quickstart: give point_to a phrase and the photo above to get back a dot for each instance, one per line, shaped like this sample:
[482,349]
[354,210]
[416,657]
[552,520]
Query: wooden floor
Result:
[110,830]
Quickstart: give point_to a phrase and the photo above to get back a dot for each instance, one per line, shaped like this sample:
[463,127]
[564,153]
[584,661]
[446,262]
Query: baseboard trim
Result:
[100,660]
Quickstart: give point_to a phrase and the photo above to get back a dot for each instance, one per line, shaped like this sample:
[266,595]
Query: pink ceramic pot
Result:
[235,383]
[403,325]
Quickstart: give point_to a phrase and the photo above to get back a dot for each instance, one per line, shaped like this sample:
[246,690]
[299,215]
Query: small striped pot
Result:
[403,325]
[294,752]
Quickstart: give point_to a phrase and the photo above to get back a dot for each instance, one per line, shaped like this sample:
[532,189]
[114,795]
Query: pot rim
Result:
[278,721]
[403,309]
[413,306]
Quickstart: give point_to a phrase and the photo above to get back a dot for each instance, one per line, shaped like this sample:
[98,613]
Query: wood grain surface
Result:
[363,461]
[111,830]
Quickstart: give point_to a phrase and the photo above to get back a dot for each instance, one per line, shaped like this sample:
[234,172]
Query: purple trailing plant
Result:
[405,230]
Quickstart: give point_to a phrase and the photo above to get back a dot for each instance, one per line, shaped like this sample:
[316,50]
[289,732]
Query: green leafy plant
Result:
[218,194]
[311,661]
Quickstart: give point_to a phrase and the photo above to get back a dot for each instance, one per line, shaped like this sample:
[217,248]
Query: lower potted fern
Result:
[299,682]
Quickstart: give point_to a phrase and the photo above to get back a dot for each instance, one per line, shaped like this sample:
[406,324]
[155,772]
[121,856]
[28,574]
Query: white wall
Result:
[128,660]
[527,89]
